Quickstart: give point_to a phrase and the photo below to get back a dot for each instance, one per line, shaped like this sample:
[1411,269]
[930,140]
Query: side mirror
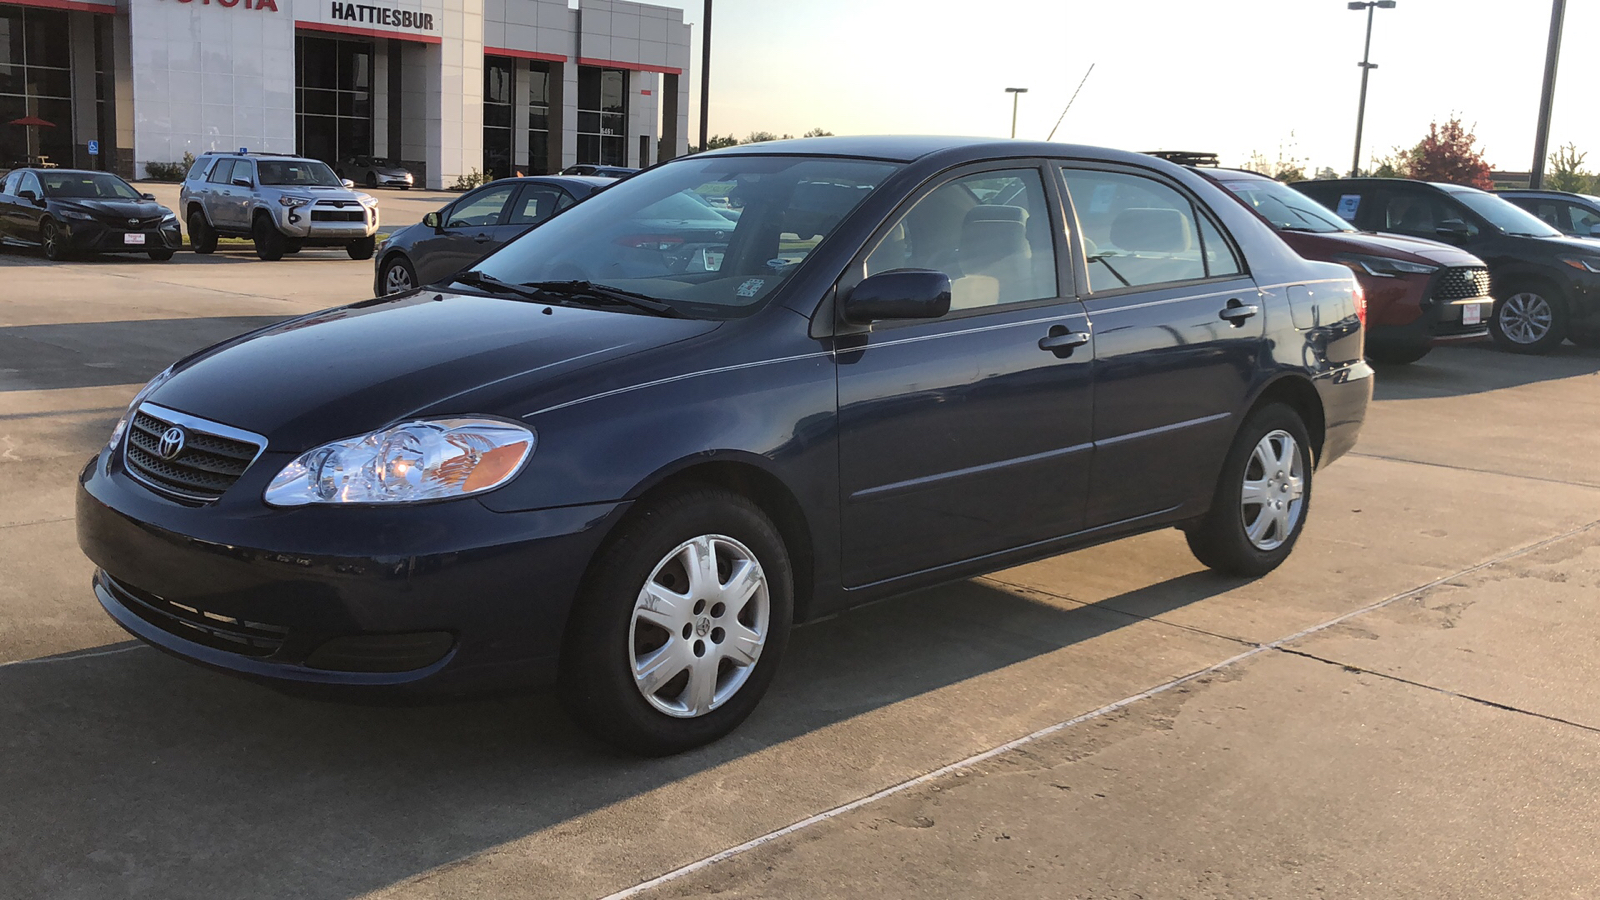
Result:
[1453,230]
[897,294]
[243,182]
[432,220]
[348,184]
[29,196]
[147,196]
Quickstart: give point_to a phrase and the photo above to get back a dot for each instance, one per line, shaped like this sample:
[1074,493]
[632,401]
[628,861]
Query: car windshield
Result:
[1285,207]
[296,171]
[86,186]
[652,236]
[1504,215]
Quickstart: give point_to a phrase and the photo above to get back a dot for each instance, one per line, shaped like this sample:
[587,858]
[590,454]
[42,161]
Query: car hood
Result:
[1325,246]
[130,209]
[316,192]
[346,371]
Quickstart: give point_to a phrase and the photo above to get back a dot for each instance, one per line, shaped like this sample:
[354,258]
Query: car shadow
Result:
[1479,368]
[132,769]
[95,354]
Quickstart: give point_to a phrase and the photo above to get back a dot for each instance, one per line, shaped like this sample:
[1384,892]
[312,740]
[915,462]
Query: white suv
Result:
[283,203]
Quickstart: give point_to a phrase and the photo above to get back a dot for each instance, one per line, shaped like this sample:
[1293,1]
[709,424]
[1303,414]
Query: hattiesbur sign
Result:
[380,15]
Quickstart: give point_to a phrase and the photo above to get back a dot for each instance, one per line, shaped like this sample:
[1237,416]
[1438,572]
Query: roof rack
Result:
[252,153]
[1186,157]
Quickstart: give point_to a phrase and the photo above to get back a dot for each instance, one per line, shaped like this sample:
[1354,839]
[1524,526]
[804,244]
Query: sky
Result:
[1235,78]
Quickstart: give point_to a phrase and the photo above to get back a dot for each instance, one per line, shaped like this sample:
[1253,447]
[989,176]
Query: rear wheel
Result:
[52,240]
[679,628]
[1532,319]
[361,249]
[372,180]
[270,242]
[202,239]
[1262,497]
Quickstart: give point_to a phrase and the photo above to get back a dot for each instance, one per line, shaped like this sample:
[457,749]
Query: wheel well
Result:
[1299,395]
[772,496]
[1510,284]
[194,207]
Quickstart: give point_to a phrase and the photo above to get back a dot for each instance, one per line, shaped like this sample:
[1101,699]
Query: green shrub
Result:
[169,171]
[470,180]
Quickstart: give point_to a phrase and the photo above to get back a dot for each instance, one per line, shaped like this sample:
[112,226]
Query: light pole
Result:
[1015,93]
[1541,138]
[705,78]
[1366,67]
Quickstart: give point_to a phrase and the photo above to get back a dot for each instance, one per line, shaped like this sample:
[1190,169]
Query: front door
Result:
[969,434]
[468,229]
[1178,333]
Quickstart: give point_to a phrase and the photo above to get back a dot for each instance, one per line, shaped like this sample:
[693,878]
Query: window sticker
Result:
[751,287]
[1100,200]
[1348,204]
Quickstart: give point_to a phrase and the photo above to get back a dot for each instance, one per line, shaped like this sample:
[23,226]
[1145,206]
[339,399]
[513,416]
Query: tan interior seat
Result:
[994,244]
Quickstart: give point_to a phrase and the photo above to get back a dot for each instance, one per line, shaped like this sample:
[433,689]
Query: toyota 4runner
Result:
[283,203]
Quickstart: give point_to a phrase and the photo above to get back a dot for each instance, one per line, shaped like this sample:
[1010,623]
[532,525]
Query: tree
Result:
[1567,173]
[1287,167]
[1449,154]
[817,132]
[1326,174]
[760,137]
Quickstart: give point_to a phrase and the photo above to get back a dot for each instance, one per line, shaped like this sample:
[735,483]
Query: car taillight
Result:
[650,241]
[1360,297]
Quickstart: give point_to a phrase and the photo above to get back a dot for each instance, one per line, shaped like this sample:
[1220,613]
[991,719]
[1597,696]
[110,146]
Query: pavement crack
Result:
[37,522]
[1439,690]
[1452,466]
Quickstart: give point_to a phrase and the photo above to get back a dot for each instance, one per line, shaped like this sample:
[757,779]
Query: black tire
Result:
[361,249]
[290,248]
[160,255]
[202,238]
[1397,354]
[270,242]
[1220,539]
[53,240]
[372,180]
[1510,323]
[397,269]
[596,682]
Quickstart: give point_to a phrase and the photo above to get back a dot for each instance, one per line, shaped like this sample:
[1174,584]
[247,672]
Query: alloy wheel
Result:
[699,625]
[397,279]
[50,240]
[1526,317]
[1274,489]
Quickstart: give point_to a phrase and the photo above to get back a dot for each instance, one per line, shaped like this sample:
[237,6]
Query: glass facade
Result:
[333,103]
[602,116]
[539,118]
[499,88]
[35,80]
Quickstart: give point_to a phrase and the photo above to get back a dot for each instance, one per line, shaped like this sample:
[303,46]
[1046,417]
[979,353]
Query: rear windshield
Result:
[296,171]
[1286,208]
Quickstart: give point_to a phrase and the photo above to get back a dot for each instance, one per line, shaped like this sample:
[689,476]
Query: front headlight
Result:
[294,202]
[429,459]
[1383,267]
[1586,263]
[147,390]
[368,200]
[170,216]
[77,214]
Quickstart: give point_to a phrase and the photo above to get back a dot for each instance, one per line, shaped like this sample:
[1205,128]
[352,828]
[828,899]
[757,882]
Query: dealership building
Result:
[444,87]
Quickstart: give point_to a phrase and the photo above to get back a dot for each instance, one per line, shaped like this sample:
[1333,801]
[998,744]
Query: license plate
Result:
[133,239]
[1471,314]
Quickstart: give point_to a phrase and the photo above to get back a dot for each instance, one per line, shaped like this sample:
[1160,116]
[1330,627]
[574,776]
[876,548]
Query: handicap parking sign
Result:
[94,148]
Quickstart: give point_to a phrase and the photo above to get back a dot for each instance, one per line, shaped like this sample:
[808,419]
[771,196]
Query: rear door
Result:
[9,203]
[467,230]
[1178,339]
[964,435]
[217,197]
[533,204]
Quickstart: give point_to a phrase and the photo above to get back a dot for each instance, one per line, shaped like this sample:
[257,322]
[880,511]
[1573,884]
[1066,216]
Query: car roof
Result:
[1220,174]
[38,171]
[908,148]
[1440,185]
[585,180]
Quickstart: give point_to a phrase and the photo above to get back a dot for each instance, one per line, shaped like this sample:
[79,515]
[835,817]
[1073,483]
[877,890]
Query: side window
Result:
[222,172]
[1422,214]
[1137,231]
[244,168]
[989,232]
[9,186]
[196,170]
[480,209]
[536,203]
[30,182]
[1220,259]
[1582,219]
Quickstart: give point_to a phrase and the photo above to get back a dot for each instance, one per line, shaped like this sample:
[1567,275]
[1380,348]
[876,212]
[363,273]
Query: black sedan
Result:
[68,211]
[914,360]
[447,241]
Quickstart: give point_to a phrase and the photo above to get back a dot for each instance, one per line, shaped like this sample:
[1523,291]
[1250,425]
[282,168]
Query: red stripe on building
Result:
[367,32]
[523,54]
[632,66]
[71,5]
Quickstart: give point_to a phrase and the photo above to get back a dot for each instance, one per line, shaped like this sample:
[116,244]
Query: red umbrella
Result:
[32,120]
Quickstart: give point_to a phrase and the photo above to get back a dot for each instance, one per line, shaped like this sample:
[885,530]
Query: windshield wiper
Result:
[590,290]
[495,286]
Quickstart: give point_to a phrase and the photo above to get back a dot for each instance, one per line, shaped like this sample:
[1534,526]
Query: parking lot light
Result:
[1014,92]
[1366,69]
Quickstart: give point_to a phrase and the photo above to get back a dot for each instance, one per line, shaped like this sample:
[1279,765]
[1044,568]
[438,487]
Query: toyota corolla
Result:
[627,460]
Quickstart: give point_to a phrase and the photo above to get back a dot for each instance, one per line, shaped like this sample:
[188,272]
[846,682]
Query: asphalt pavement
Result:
[1405,709]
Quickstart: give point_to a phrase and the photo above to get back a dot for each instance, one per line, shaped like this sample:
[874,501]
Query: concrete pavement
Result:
[1442,744]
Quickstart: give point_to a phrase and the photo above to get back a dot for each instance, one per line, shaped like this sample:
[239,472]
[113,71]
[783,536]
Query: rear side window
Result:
[537,203]
[222,172]
[196,170]
[1138,232]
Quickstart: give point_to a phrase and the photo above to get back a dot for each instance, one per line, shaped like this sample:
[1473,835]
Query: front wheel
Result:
[1589,340]
[270,242]
[52,240]
[1532,320]
[160,255]
[1261,501]
[677,632]
[361,249]
[398,276]
[202,239]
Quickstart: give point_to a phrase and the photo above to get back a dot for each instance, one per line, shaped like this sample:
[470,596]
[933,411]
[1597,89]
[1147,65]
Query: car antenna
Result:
[1069,102]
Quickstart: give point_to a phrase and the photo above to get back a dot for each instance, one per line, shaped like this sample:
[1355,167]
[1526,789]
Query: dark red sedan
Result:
[1419,292]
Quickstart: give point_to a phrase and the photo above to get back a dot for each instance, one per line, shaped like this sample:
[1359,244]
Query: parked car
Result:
[447,241]
[600,171]
[375,171]
[1577,215]
[1419,292]
[282,203]
[1547,285]
[68,211]
[635,485]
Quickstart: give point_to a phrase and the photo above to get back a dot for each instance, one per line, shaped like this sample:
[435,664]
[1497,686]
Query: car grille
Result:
[1461,283]
[339,215]
[208,463]
[131,223]
[201,626]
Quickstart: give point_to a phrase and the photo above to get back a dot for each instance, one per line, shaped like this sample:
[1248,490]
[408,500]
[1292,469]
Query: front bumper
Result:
[1439,323]
[99,237]
[305,223]
[441,598]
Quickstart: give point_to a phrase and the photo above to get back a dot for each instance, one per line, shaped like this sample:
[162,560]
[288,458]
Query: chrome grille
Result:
[342,215]
[201,626]
[211,459]
[1461,283]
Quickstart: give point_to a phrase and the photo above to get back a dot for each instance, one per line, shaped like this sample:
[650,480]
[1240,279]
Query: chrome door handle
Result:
[482,238]
[1236,312]
[1061,341]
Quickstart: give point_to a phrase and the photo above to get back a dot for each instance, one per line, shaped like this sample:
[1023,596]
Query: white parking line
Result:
[977,758]
[70,657]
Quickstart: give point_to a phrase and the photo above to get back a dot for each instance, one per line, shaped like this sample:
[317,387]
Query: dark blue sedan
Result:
[628,451]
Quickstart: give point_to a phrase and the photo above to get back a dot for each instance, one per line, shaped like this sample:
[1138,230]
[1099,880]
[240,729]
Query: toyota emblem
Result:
[171,443]
[133,223]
